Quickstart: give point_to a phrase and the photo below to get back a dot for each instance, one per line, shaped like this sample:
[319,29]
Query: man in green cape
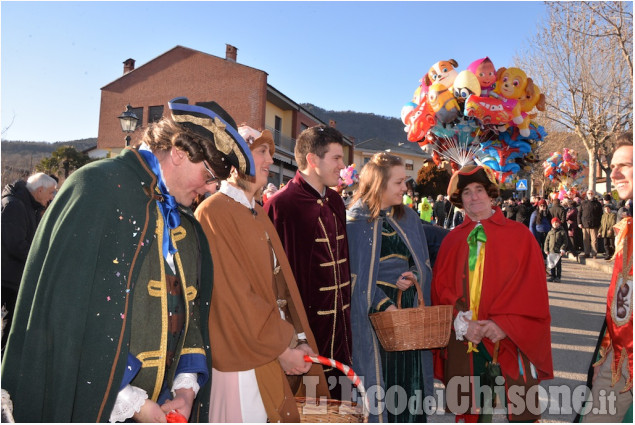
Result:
[111,318]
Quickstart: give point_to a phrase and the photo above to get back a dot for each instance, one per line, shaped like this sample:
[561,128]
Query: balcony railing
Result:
[285,142]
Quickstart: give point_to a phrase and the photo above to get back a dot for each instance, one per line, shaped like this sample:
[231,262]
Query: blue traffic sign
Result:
[521,184]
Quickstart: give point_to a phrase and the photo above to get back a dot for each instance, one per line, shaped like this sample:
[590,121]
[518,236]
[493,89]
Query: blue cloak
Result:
[364,242]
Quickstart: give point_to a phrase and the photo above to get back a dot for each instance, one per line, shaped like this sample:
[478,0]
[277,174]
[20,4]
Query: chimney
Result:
[231,53]
[332,123]
[128,66]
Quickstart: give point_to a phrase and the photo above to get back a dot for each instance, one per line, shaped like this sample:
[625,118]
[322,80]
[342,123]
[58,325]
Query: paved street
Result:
[578,304]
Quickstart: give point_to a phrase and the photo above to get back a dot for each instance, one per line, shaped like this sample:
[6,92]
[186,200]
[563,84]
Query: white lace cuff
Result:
[460,324]
[129,401]
[186,380]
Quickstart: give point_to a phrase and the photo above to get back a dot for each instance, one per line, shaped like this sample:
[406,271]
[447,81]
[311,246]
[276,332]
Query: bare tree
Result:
[581,58]
[5,129]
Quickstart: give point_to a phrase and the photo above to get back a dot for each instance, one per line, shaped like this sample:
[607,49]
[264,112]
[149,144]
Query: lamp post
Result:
[128,121]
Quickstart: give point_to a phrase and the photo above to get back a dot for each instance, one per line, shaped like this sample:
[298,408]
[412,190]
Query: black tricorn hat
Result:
[471,174]
[211,121]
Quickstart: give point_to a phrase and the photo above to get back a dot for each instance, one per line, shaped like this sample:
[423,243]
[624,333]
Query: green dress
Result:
[400,368]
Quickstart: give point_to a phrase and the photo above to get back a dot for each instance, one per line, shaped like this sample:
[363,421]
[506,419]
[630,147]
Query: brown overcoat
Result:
[246,329]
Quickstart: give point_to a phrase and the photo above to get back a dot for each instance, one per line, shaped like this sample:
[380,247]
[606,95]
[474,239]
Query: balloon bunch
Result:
[479,114]
[348,176]
[564,168]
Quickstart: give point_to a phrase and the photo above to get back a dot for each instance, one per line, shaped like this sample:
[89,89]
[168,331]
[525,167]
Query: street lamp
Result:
[128,121]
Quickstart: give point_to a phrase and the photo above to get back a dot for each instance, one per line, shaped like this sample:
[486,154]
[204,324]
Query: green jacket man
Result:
[111,318]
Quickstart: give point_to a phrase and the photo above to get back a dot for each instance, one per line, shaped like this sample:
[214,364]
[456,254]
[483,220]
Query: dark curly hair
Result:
[165,133]
[492,191]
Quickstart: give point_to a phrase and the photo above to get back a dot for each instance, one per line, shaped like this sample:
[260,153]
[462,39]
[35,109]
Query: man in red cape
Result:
[491,270]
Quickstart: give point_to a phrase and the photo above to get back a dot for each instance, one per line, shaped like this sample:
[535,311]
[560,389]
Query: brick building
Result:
[241,90]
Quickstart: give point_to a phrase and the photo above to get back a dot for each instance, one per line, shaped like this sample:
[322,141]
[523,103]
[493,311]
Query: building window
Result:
[409,164]
[155,113]
[366,159]
[139,113]
[409,167]
[278,127]
[303,127]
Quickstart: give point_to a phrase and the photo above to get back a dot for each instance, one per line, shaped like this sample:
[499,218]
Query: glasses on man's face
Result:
[213,178]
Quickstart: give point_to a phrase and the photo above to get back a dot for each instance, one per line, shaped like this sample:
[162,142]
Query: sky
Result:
[358,56]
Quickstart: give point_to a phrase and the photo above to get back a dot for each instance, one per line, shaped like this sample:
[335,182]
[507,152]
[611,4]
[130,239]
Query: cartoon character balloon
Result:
[348,176]
[479,114]
[485,72]
[466,84]
[442,72]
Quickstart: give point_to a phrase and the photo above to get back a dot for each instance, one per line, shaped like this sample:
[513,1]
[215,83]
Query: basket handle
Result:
[346,370]
[419,296]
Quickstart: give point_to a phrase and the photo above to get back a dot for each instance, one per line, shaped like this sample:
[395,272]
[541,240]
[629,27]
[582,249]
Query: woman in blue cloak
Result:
[388,252]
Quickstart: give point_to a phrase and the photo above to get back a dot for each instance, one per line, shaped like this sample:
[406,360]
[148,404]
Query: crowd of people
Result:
[173,282]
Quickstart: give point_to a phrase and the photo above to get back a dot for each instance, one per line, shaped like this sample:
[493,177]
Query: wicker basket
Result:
[335,411]
[414,328]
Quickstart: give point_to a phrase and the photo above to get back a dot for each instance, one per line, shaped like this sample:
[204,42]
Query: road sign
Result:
[521,184]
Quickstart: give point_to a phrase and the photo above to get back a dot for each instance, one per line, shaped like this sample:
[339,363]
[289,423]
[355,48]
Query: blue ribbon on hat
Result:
[167,205]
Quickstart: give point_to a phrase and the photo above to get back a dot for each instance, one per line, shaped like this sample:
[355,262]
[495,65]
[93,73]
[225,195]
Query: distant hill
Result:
[19,158]
[362,126]
[19,146]
[22,156]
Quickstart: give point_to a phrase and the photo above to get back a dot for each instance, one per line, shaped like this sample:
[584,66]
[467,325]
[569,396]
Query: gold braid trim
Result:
[192,351]
[222,140]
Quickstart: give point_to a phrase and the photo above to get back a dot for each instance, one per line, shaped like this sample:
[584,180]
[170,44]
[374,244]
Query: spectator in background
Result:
[425,210]
[510,209]
[415,202]
[555,247]
[574,232]
[589,218]
[23,204]
[407,198]
[556,210]
[438,211]
[621,210]
[459,216]
[524,211]
[606,231]
[607,199]
[540,223]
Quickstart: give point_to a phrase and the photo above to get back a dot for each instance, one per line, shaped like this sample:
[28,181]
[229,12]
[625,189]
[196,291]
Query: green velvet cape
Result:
[68,346]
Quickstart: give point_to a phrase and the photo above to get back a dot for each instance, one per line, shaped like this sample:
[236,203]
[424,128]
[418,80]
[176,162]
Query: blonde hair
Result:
[373,180]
